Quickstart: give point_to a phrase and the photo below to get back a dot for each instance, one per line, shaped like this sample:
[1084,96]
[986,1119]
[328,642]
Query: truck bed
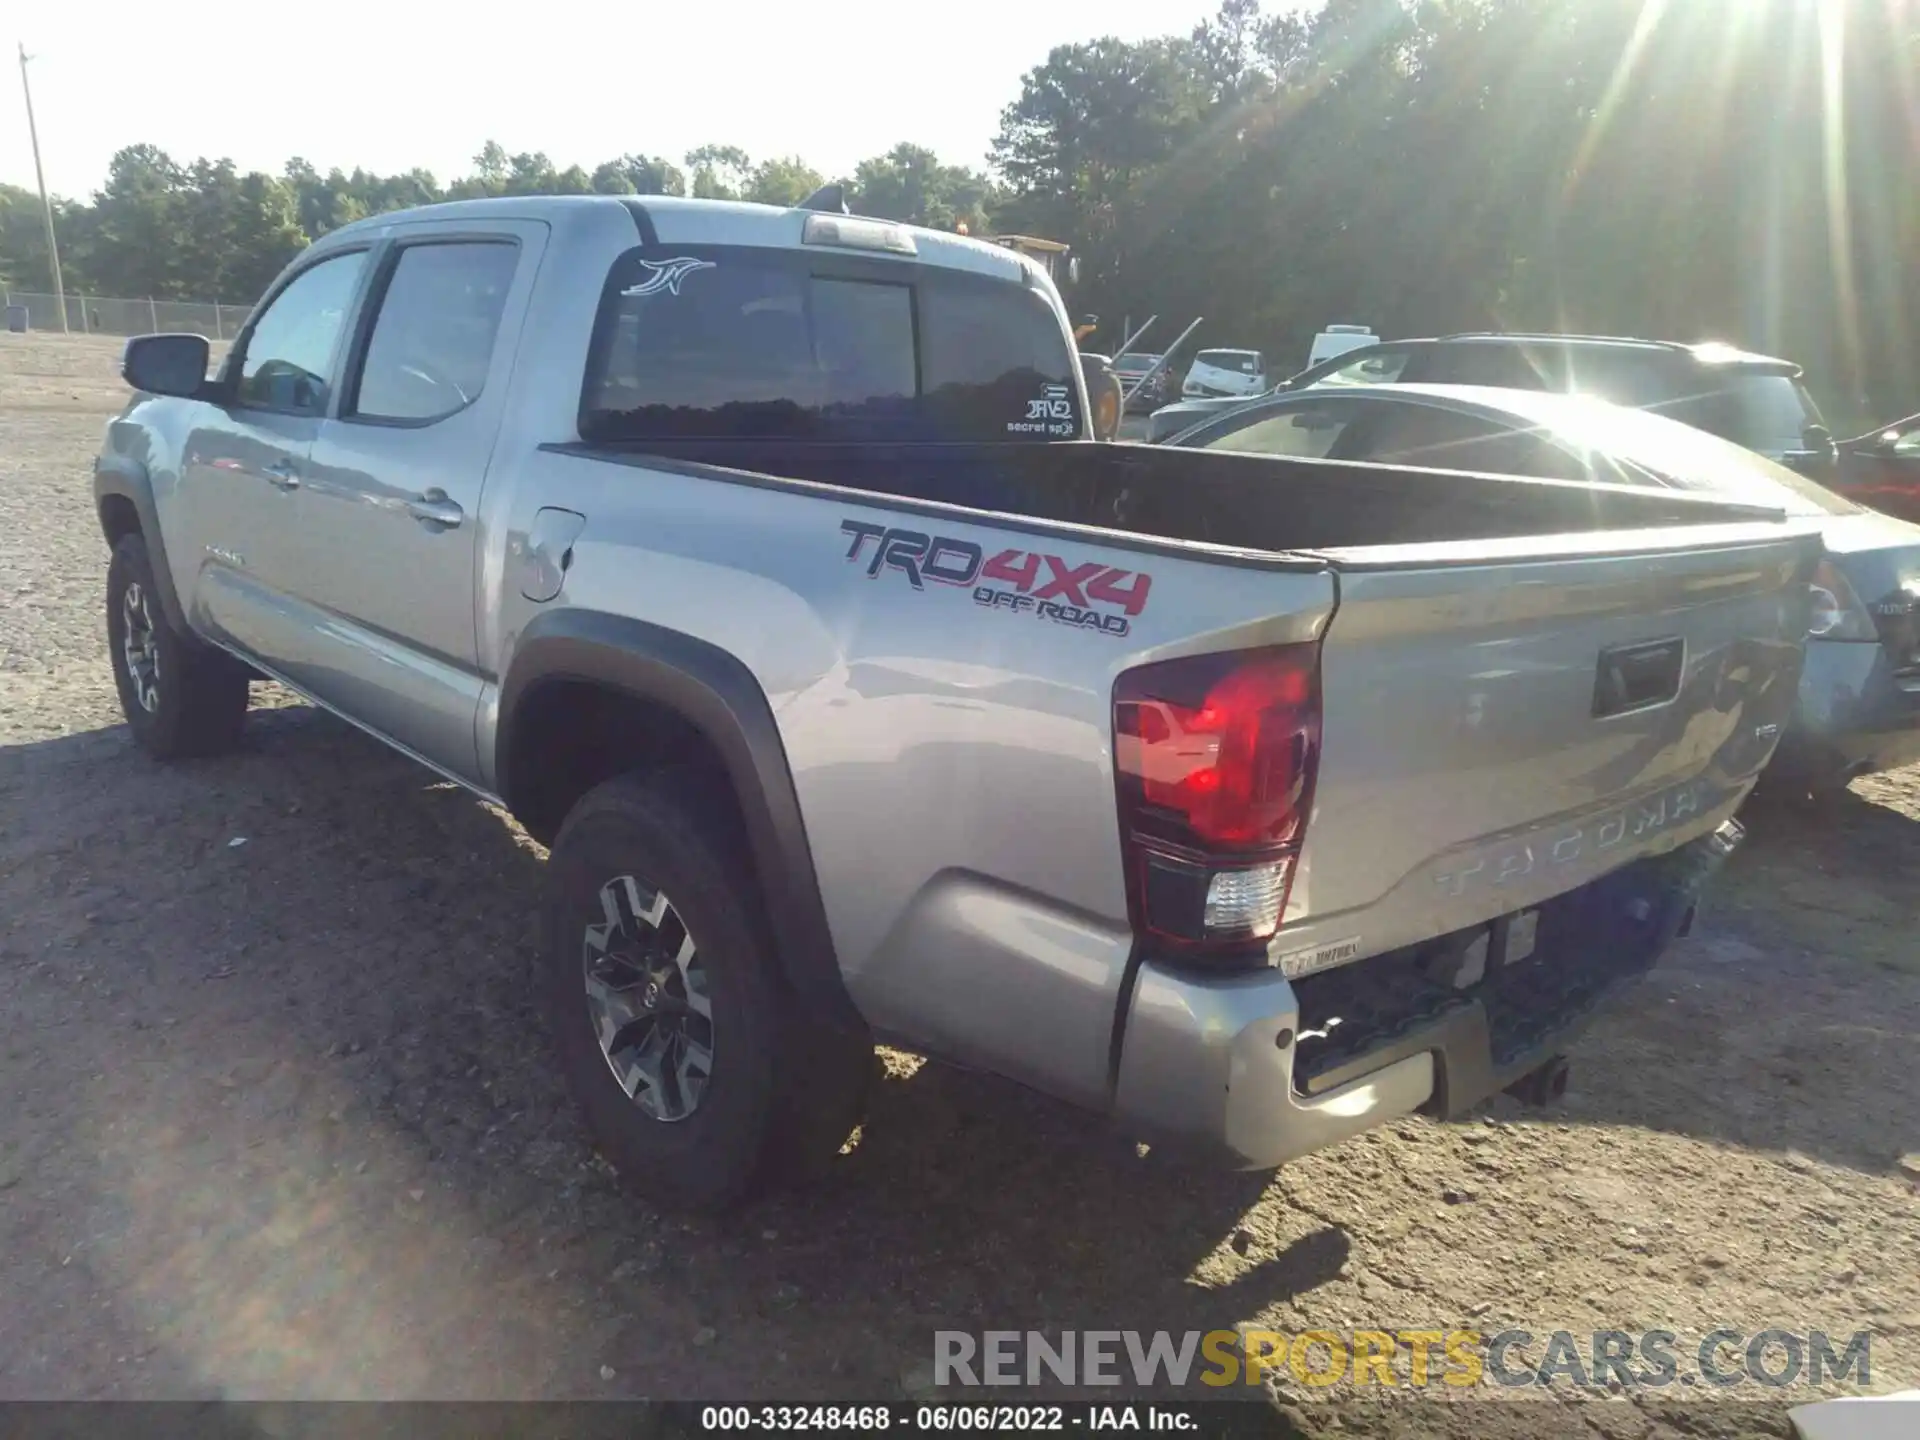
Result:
[1470,765]
[1238,502]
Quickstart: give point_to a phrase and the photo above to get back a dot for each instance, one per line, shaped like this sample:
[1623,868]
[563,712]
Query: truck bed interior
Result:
[1242,502]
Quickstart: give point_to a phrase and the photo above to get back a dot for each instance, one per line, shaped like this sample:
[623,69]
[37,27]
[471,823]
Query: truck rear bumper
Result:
[1209,1060]
[1247,1066]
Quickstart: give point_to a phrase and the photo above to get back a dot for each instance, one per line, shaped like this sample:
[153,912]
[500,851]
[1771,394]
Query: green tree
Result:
[909,183]
[23,241]
[139,219]
[638,175]
[786,181]
[718,172]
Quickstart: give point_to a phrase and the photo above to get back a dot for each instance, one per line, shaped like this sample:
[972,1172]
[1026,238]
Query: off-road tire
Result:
[784,1090]
[198,694]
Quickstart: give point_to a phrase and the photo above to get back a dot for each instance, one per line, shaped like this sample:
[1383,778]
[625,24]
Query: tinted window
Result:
[739,344]
[1771,413]
[1632,377]
[288,364]
[993,364]
[1302,432]
[433,337]
[1374,367]
[1508,367]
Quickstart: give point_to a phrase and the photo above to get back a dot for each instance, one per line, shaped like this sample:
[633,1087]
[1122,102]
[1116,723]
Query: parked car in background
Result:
[1755,401]
[1859,704]
[1338,340]
[1236,373]
[1150,396]
[1881,470]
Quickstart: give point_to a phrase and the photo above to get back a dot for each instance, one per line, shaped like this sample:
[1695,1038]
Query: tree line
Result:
[204,231]
[1733,169]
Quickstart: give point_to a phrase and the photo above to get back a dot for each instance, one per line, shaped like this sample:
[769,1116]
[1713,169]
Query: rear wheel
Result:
[689,1057]
[180,696]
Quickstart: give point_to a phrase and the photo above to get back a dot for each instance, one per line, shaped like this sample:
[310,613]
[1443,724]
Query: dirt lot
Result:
[276,1119]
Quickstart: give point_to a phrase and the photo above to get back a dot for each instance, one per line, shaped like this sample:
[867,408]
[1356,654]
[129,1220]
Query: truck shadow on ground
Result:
[1798,996]
[332,1156]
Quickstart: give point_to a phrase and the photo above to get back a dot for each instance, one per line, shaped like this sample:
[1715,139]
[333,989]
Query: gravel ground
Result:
[278,1120]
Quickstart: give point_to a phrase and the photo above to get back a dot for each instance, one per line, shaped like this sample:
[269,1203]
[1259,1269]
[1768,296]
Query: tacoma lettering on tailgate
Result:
[1088,596]
[1503,864]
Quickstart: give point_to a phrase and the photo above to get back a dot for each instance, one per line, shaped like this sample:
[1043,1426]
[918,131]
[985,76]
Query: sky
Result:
[401,84]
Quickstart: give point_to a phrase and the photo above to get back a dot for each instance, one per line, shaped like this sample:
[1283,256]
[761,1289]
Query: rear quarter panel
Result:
[953,760]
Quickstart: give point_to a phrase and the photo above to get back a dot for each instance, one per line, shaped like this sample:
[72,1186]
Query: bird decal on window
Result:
[666,275]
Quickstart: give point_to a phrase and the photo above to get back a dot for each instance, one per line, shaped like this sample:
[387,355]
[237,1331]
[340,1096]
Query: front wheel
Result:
[687,1054]
[180,697]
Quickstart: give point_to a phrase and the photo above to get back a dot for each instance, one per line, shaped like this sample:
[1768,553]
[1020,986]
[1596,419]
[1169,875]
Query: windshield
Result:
[1245,362]
[1686,458]
[1764,410]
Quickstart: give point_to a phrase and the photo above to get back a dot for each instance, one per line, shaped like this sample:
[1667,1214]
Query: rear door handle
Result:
[282,476]
[436,509]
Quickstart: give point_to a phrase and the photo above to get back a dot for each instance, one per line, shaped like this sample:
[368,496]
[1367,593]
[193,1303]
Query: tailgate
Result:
[1500,732]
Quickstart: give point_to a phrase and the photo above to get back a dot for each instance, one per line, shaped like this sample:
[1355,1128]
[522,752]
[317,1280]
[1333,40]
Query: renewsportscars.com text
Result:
[1600,1360]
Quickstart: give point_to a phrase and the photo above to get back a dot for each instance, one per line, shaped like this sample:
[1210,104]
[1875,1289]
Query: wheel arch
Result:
[123,503]
[694,690]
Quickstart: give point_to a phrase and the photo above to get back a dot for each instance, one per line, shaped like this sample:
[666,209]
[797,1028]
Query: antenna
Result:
[830,198]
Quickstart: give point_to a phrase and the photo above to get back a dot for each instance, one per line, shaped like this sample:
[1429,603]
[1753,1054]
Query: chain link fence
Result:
[109,315]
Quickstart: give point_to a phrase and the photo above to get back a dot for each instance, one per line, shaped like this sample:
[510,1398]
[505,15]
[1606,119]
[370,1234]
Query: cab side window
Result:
[433,337]
[291,351]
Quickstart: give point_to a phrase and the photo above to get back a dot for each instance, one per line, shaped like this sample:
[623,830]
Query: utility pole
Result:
[53,245]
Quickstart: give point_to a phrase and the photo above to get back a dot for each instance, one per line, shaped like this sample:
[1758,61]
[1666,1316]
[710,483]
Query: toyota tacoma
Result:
[760,564]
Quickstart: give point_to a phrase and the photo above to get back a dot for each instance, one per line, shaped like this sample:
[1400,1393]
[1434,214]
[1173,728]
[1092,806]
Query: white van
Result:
[1338,340]
[1225,372]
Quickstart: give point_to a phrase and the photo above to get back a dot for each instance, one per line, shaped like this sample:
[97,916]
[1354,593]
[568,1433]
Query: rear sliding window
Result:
[712,343]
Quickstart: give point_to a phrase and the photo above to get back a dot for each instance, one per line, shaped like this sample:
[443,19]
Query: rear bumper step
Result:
[1247,1063]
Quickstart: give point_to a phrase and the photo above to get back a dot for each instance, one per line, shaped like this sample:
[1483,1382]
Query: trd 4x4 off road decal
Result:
[1088,596]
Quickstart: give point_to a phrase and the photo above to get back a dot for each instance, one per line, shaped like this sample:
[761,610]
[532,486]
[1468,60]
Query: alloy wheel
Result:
[139,647]
[646,989]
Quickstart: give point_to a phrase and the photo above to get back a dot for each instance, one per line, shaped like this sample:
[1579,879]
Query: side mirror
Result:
[166,364]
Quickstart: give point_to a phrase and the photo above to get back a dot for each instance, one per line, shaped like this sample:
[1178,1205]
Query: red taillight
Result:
[1215,758]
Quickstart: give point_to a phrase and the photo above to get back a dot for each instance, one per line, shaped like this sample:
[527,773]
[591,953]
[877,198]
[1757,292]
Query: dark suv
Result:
[1752,400]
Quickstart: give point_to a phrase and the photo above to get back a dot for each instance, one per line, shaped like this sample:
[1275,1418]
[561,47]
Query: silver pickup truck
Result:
[758,562]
